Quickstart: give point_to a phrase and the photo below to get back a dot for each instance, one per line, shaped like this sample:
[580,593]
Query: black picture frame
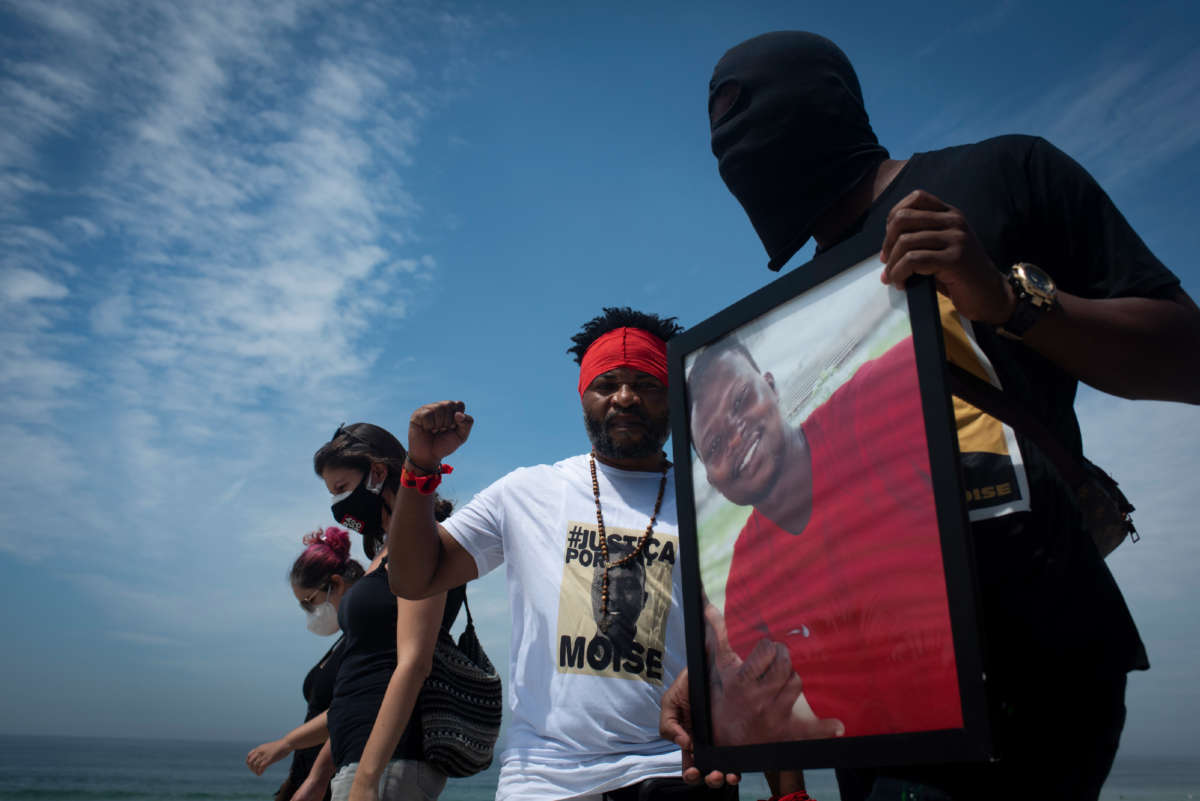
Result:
[970,741]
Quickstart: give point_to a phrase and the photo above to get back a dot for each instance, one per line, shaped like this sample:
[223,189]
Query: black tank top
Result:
[367,615]
[318,692]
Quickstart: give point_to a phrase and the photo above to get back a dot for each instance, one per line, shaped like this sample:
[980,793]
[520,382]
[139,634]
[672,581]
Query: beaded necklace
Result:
[662,485]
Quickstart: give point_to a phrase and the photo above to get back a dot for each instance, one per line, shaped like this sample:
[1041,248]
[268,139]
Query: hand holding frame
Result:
[927,236]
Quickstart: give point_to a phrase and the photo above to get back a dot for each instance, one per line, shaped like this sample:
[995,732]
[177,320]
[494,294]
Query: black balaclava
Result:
[795,137]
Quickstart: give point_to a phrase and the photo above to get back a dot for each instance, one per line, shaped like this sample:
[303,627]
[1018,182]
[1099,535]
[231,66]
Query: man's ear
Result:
[770,379]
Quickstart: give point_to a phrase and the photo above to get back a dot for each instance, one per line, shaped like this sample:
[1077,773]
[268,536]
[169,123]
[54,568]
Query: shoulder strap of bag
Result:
[470,620]
[1077,472]
[987,398]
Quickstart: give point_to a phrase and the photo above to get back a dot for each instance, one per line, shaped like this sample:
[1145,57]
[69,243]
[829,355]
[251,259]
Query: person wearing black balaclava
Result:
[790,134]
[1052,286]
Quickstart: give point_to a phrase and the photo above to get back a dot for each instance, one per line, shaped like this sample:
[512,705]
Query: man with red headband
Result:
[591,552]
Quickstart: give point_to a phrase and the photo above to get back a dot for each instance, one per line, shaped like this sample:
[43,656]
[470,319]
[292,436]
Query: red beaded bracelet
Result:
[424,484]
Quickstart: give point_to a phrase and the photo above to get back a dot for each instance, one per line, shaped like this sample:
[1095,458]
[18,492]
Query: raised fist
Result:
[435,431]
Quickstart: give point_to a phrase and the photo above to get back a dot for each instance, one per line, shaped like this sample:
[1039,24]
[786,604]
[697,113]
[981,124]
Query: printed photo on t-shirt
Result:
[619,633]
[994,479]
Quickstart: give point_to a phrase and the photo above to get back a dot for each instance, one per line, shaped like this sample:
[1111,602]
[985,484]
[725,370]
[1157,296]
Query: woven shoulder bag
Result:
[461,704]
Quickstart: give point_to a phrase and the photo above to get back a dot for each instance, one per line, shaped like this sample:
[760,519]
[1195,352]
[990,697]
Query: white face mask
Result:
[323,621]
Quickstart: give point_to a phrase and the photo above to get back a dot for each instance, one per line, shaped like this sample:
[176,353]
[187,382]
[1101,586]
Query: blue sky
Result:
[227,228]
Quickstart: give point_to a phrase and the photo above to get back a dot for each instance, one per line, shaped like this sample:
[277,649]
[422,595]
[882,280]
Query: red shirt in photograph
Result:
[859,596]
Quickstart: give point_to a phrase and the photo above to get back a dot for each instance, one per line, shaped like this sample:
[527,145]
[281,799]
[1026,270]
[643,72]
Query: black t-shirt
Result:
[367,616]
[1050,604]
[318,691]
[318,684]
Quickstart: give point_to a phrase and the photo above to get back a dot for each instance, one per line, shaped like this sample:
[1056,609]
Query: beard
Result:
[648,445]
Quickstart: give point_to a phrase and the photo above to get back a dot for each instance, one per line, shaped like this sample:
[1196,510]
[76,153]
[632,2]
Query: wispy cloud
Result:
[1133,114]
[199,279]
[20,286]
[986,20]
[1122,113]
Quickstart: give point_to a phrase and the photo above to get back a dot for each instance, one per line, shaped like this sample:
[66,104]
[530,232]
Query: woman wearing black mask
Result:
[374,718]
[319,578]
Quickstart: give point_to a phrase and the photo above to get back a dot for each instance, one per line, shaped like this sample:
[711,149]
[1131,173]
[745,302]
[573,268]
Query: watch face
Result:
[1039,280]
[1034,281]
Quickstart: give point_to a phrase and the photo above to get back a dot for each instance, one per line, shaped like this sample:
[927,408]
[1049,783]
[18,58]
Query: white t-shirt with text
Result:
[584,705]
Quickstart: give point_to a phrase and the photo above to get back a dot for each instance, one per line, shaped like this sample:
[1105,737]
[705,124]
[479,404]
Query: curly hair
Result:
[615,317]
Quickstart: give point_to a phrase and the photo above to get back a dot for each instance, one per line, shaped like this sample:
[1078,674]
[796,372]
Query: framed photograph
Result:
[828,585]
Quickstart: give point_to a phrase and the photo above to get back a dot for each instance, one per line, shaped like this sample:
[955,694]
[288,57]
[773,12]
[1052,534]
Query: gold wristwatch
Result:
[1036,295]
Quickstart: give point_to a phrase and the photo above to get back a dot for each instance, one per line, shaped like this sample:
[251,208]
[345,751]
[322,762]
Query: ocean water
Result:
[92,769]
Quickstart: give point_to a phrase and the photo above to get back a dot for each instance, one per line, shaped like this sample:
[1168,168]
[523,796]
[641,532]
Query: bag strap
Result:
[1075,471]
[985,397]
[465,605]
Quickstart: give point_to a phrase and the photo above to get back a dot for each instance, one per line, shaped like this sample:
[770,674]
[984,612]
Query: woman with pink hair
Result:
[319,577]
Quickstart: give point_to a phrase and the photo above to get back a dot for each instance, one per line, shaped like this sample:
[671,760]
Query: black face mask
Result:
[790,133]
[362,511]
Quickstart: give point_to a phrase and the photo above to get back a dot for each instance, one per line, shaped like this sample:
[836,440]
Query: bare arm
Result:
[417,624]
[785,782]
[1132,347]
[1143,348]
[308,734]
[433,561]
[675,725]
[314,785]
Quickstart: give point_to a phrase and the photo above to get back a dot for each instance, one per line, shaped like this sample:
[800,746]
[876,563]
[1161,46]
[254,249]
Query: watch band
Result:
[1024,315]
[1035,292]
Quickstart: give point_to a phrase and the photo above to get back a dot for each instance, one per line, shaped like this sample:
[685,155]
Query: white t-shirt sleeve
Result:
[479,527]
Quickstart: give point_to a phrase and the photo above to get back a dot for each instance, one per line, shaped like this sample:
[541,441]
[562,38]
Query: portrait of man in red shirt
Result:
[839,565]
